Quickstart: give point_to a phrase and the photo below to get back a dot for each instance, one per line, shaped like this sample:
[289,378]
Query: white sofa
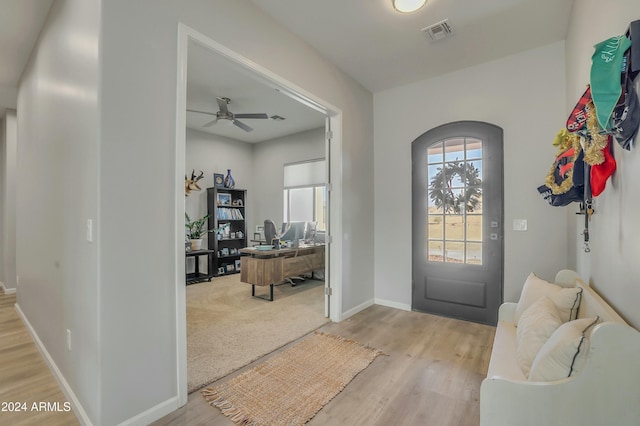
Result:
[605,392]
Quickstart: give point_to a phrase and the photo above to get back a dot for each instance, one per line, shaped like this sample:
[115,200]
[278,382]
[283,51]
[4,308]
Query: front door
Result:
[457,221]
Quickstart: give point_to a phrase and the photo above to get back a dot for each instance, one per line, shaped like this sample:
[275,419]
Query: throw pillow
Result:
[566,299]
[565,353]
[536,325]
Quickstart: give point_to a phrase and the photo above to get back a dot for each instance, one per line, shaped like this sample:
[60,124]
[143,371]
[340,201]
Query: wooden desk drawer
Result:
[261,271]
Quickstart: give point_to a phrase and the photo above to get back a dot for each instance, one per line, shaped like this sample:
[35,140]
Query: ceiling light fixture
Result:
[408,6]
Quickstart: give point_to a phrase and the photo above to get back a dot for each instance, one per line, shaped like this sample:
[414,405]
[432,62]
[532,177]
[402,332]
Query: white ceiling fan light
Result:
[408,6]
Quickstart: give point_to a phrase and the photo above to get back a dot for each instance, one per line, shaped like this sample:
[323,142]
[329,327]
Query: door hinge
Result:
[329,135]
[329,187]
[328,291]
[328,239]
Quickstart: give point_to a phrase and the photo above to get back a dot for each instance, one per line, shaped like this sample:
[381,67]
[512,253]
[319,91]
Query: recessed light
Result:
[407,6]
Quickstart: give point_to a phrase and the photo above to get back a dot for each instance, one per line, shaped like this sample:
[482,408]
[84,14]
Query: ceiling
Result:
[377,46]
[382,49]
[209,75]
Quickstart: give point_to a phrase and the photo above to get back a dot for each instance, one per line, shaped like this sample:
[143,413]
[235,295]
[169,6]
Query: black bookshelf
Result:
[227,206]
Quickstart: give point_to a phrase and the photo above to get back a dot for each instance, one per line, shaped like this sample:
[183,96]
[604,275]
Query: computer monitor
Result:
[293,231]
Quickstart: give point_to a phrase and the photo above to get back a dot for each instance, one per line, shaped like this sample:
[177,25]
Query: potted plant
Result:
[195,230]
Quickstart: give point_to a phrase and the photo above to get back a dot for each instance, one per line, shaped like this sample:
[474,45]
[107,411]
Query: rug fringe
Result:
[227,408]
[344,339]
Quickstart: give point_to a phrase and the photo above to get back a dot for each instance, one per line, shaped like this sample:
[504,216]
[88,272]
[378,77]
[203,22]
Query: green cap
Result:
[606,68]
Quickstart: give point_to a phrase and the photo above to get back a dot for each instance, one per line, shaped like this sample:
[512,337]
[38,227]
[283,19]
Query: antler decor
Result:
[191,184]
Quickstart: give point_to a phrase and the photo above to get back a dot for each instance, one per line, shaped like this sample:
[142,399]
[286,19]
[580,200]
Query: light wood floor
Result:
[24,375]
[431,376]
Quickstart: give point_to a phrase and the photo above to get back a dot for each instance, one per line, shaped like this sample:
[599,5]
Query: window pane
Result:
[455,202]
[454,149]
[474,148]
[474,227]
[454,180]
[474,253]
[433,209]
[434,251]
[300,205]
[454,227]
[474,200]
[434,153]
[434,171]
[474,172]
[454,252]
[436,227]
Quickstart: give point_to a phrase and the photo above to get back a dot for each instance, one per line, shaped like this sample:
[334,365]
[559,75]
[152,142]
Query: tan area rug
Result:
[228,329]
[291,387]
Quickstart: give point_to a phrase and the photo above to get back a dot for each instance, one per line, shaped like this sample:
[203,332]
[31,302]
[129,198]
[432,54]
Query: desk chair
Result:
[269,231]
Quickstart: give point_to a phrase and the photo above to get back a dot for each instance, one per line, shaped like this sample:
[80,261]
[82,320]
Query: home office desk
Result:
[267,267]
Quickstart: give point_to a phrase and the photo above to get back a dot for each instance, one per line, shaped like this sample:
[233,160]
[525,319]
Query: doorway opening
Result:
[332,131]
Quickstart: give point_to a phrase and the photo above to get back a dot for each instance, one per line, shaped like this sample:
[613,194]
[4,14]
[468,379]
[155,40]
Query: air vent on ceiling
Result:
[439,30]
[277,118]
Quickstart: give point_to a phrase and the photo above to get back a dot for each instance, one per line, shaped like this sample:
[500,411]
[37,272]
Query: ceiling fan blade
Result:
[201,112]
[211,123]
[222,103]
[258,115]
[243,126]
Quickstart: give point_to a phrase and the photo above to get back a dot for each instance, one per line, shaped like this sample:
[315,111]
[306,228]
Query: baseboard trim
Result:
[357,309]
[7,290]
[392,304]
[78,410]
[153,413]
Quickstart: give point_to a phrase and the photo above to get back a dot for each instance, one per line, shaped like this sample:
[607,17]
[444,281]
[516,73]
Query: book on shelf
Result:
[225,213]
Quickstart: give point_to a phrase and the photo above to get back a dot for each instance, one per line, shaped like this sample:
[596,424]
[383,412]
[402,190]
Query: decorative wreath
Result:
[564,141]
[441,193]
[593,154]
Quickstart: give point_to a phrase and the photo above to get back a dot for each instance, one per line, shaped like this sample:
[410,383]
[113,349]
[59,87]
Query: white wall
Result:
[524,95]
[3,190]
[268,162]
[215,154]
[8,157]
[612,267]
[57,191]
[139,79]
[8,220]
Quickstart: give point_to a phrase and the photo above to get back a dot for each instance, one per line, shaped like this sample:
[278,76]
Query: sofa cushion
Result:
[566,299]
[535,327]
[565,353]
[503,362]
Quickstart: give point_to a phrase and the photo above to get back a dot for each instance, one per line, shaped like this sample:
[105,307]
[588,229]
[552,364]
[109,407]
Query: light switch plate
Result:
[519,224]
[90,230]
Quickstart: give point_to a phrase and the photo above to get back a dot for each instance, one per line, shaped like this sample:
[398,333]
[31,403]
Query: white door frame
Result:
[334,122]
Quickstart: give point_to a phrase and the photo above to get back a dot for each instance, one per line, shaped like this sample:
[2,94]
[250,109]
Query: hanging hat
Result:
[564,183]
[578,117]
[606,67]
[600,172]
[633,33]
[625,119]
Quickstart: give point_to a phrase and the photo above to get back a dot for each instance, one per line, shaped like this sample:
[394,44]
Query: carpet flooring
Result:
[228,329]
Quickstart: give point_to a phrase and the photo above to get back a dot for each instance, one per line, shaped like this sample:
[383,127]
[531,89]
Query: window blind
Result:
[309,173]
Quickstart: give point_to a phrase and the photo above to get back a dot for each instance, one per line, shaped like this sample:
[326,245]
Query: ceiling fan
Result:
[225,114]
